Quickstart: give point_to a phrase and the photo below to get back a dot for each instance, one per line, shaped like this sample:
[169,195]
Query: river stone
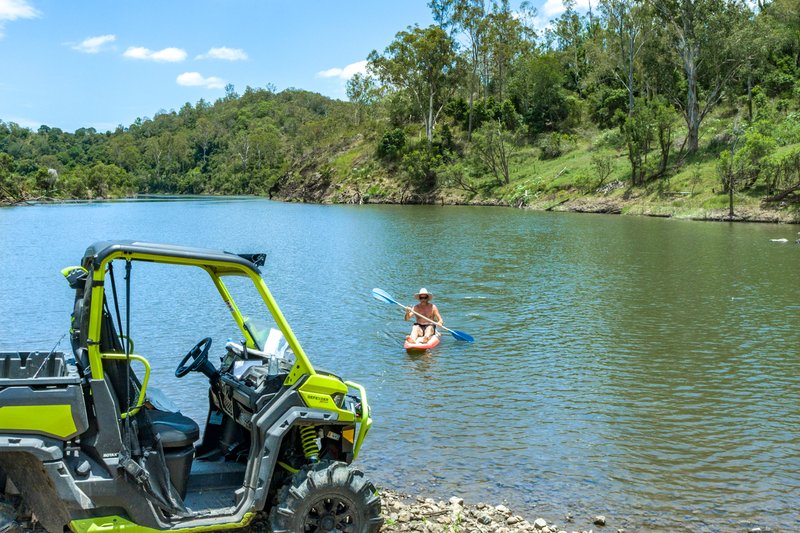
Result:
[403,516]
[600,520]
[503,509]
[455,500]
[485,519]
[540,523]
[513,519]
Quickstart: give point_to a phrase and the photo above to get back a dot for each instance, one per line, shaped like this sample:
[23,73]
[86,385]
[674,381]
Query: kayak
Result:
[420,346]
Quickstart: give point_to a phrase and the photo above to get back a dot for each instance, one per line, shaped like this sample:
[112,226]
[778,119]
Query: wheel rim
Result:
[330,514]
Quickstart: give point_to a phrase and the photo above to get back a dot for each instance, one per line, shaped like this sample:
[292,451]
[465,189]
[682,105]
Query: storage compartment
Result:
[41,393]
[179,464]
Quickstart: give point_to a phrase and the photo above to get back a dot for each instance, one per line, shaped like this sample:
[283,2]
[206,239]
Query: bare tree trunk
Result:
[429,125]
[631,57]
[689,53]
[730,198]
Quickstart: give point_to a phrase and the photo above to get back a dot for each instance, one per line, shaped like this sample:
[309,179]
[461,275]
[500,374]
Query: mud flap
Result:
[36,488]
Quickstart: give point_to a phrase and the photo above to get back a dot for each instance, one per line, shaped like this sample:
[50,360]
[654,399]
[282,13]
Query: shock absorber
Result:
[308,440]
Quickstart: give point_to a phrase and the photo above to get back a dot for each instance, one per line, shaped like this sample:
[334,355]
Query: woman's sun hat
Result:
[424,291]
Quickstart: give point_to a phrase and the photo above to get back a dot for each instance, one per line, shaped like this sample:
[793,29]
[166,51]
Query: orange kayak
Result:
[420,346]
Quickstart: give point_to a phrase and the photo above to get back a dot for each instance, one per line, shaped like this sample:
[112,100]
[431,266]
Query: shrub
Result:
[555,145]
[609,107]
[603,166]
[420,166]
[391,144]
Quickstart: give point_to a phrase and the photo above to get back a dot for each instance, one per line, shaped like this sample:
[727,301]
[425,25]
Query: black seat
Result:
[175,429]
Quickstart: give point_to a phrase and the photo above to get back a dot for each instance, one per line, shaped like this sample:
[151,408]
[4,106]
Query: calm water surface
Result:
[644,369]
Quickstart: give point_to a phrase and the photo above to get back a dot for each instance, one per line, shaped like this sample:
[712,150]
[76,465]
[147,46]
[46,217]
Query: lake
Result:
[644,369]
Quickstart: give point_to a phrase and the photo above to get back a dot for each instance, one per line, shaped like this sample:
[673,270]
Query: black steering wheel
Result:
[198,357]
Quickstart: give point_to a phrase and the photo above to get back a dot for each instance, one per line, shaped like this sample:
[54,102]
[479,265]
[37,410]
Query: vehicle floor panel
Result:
[215,474]
[201,500]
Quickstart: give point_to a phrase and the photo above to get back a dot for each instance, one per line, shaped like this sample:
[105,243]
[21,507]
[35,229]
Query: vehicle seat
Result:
[175,429]
[177,433]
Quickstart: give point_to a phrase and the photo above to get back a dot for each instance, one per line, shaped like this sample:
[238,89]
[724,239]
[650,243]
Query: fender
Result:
[43,448]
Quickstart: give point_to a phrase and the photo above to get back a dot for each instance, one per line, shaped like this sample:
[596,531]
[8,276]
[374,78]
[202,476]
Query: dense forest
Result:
[686,103]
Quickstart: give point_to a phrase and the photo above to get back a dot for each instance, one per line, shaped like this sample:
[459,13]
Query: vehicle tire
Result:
[325,497]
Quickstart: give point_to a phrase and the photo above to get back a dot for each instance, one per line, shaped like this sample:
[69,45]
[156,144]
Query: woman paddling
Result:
[425,325]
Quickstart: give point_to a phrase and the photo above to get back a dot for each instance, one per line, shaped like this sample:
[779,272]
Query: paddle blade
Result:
[383,296]
[460,335]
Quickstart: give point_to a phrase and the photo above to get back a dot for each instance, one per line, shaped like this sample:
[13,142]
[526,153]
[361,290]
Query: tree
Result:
[569,35]
[627,33]
[536,91]
[362,92]
[467,17]
[664,119]
[639,131]
[505,43]
[492,149]
[423,62]
[706,38]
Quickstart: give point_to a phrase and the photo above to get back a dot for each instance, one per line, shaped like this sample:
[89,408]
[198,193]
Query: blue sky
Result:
[93,63]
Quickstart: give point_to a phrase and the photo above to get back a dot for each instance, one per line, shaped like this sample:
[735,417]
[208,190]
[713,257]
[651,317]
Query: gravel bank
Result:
[404,512]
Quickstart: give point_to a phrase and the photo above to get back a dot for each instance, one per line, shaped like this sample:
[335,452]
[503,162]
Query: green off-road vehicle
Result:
[85,445]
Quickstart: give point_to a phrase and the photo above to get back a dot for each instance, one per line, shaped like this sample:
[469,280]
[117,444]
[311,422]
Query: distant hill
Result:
[620,110]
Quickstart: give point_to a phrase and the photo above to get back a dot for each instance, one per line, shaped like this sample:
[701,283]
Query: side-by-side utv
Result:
[86,445]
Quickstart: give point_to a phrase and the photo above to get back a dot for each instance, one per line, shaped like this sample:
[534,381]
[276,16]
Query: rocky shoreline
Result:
[591,204]
[403,512]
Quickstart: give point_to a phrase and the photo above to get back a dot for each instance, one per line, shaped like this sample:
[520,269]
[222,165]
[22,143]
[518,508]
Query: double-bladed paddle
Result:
[383,296]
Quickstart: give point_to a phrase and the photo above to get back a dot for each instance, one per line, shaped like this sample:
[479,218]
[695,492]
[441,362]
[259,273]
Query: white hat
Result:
[424,291]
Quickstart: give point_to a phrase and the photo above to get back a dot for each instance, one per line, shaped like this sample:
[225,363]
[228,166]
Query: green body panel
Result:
[53,420]
[117,523]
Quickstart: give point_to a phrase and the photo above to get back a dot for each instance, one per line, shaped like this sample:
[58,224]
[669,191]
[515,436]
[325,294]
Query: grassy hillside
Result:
[591,174]
[300,146]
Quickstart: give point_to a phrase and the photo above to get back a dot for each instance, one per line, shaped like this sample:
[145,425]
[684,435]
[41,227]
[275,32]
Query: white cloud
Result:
[167,55]
[195,79]
[553,8]
[93,45]
[15,9]
[360,67]
[223,52]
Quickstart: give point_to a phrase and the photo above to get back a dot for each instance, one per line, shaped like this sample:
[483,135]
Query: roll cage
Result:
[218,264]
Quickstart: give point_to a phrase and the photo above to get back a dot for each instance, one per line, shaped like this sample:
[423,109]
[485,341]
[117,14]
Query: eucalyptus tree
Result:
[492,150]
[707,39]
[507,39]
[422,61]
[627,26]
[568,36]
[362,91]
[465,18]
